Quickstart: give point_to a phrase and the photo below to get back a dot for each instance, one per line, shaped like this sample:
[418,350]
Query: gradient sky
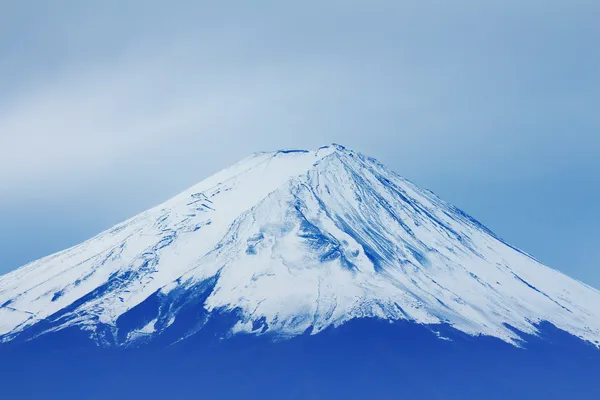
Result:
[108,108]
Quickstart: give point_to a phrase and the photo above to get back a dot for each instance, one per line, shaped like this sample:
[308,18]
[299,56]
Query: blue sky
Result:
[108,109]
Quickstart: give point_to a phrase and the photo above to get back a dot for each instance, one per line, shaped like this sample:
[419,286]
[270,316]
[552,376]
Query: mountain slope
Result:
[293,242]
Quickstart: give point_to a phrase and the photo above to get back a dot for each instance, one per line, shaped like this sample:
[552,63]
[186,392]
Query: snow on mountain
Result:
[294,241]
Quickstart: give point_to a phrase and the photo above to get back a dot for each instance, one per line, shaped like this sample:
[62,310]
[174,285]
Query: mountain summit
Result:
[290,243]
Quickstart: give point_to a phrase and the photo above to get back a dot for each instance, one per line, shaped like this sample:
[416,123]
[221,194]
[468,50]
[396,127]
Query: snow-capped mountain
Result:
[291,242]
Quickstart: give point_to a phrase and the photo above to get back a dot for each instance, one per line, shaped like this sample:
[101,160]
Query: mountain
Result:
[293,248]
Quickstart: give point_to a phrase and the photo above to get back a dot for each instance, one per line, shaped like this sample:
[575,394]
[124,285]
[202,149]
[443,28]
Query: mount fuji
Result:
[298,274]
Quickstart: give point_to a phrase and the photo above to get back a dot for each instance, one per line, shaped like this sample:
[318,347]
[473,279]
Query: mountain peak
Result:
[294,241]
[336,147]
[323,150]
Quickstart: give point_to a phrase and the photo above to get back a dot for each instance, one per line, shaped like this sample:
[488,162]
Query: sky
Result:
[109,108]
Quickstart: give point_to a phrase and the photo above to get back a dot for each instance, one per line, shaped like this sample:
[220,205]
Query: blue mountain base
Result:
[362,359]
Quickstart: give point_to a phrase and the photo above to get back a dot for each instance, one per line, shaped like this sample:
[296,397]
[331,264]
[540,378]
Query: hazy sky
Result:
[108,108]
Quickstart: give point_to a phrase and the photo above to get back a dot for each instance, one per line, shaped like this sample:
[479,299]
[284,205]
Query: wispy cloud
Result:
[498,90]
[114,106]
[82,124]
